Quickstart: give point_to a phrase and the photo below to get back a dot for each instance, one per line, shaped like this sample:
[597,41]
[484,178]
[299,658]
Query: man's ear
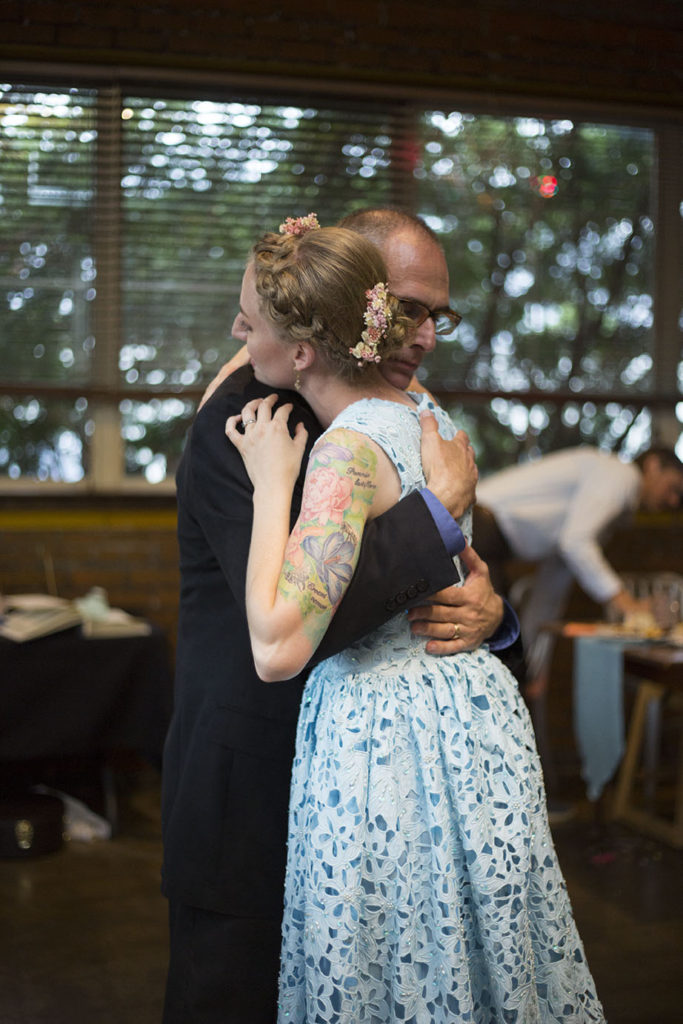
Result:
[304,356]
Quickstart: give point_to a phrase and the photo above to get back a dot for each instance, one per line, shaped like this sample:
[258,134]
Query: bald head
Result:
[379,222]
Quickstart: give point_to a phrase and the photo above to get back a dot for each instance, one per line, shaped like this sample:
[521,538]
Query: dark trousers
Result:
[490,544]
[222,969]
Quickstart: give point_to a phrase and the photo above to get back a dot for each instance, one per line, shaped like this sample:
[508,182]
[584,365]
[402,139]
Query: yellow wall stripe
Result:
[56,520]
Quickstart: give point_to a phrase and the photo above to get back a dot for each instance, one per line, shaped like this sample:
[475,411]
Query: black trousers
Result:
[222,969]
[490,544]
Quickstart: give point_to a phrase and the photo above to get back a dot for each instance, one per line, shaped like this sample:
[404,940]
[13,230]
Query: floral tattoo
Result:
[323,548]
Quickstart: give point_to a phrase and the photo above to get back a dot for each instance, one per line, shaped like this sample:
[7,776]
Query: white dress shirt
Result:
[562,504]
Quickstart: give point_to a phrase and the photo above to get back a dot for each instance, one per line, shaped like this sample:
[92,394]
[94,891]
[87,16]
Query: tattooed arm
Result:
[296,582]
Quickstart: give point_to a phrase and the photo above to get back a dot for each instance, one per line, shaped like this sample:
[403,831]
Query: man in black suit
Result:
[230,746]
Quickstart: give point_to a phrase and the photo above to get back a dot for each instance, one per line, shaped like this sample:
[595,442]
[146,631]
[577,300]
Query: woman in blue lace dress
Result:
[422,883]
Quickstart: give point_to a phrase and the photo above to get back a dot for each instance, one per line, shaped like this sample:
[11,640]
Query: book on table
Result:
[29,616]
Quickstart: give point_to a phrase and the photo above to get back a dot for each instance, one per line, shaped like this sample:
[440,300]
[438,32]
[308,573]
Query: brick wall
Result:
[621,52]
[126,546]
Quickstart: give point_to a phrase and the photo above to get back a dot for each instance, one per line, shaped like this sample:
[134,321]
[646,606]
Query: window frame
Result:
[107,475]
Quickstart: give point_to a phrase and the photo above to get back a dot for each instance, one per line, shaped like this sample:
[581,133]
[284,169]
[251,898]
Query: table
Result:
[600,664]
[68,695]
[659,671]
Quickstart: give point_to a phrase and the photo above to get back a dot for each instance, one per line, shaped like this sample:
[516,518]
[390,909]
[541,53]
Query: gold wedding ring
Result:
[456,631]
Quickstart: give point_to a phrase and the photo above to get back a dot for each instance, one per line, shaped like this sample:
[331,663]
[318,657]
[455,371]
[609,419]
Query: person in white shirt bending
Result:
[558,511]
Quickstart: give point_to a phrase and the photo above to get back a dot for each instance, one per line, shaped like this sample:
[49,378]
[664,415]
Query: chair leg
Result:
[646,820]
[651,751]
[647,692]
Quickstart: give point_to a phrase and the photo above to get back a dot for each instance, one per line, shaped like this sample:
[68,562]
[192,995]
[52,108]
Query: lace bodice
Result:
[396,429]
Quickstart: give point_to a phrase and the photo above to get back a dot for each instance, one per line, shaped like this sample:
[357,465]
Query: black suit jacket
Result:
[230,746]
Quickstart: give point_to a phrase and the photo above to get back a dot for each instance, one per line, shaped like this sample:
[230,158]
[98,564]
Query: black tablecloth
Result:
[67,694]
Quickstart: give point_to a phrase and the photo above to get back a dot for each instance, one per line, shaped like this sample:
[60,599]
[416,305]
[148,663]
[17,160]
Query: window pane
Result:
[154,435]
[549,236]
[505,430]
[47,270]
[201,181]
[143,214]
[44,440]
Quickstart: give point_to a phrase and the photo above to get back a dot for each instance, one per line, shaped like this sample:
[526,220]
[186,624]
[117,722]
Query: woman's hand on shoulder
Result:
[272,457]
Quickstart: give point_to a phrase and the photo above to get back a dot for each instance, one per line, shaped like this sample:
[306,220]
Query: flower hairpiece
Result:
[298,226]
[377,318]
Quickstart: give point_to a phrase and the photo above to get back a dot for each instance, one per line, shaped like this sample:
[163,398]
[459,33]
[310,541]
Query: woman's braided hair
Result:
[312,288]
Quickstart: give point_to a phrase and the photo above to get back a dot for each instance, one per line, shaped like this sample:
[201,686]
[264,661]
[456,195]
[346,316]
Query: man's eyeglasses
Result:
[445,320]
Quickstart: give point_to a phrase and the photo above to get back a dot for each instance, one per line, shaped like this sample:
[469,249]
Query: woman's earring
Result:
[297,381]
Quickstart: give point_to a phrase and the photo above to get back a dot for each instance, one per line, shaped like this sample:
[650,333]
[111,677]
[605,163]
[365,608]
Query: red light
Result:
[547,186]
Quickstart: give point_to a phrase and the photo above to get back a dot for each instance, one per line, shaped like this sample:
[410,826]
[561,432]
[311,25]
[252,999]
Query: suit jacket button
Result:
[411,591]
[422,585]
[390,605]
[401,598]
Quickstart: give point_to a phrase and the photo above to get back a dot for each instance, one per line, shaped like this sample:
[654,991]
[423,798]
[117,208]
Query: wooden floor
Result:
[83,930]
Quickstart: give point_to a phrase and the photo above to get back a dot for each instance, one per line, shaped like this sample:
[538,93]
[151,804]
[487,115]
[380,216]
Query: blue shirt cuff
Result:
[451,534]
[507,632]
[454,541]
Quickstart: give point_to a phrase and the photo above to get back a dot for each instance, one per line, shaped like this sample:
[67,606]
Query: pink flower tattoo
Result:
[327,497]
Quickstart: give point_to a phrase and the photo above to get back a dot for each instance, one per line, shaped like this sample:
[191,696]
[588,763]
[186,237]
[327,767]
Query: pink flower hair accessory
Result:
[377,318]
[298,226]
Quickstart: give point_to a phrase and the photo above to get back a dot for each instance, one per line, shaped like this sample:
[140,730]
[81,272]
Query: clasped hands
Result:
[456,619]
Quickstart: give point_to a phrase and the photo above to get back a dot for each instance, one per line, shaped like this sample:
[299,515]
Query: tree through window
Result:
[125,219]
